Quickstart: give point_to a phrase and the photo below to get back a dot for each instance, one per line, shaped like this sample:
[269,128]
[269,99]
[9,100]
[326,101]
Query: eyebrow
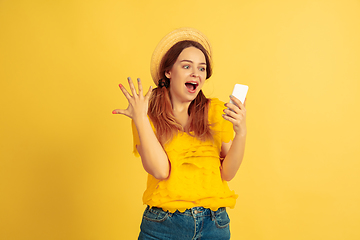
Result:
[191,62]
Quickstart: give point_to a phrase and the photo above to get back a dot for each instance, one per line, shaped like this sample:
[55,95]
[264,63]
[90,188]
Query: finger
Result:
[125,92]
[140,87]
[228,118]
[148,94]
[230,113]
[245,103]
[132,87]
[236,101]
[233,107]
[118,111]
[121,111]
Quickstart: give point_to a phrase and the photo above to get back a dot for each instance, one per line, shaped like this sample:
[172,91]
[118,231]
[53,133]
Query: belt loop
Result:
[212,215]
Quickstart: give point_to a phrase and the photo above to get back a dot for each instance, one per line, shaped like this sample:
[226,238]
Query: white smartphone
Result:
[240,92]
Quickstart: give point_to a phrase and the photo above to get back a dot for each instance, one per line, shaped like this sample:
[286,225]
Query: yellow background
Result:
[67,169]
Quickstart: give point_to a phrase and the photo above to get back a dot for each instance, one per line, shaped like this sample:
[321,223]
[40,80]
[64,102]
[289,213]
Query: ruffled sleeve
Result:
[136,139]
[222,127]
[227,131]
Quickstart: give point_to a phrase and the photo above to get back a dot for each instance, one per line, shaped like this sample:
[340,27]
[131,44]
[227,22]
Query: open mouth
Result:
[191,86]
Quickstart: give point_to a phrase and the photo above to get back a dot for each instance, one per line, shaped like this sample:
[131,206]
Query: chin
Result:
[192,98]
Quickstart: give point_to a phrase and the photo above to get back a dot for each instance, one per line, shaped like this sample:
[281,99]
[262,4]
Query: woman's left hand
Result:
[236,114]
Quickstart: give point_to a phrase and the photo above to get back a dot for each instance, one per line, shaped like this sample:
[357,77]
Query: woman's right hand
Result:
[138,103]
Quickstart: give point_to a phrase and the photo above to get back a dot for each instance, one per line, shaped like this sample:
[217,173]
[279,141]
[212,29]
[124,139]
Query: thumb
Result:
[120,111]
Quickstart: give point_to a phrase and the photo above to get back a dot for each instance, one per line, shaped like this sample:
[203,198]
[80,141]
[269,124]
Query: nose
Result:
[195,73]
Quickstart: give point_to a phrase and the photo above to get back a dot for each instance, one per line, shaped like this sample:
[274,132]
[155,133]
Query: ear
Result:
[168,74]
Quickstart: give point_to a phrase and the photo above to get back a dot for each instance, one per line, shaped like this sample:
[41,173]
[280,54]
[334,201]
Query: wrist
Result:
[241,134]
[141,120]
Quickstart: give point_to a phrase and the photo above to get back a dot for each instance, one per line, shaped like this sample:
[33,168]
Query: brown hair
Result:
[160,108]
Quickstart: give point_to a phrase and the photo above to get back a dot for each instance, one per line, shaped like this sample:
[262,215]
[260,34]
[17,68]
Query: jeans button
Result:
[195,212]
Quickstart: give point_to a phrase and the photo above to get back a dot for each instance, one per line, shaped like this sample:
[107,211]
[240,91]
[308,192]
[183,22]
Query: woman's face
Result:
[188,75]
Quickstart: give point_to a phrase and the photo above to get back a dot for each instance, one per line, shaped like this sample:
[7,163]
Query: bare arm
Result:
[153,156]
[234,151]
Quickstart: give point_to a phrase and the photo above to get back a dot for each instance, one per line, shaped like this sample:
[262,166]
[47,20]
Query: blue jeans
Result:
[195,223]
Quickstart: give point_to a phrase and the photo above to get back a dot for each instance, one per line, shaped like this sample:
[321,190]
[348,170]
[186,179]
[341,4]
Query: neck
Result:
[180,110]
[180,107]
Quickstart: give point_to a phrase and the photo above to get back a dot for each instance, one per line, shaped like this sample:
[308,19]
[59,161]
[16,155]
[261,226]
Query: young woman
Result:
[186,142]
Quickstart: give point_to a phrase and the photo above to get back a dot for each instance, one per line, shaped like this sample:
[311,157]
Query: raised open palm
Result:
[138,103]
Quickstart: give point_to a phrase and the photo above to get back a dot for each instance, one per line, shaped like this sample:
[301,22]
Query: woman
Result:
[186,142]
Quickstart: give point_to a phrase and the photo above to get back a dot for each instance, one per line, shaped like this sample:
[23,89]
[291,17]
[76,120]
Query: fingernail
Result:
[120,85]
[138,79]
[129,78]
[114,112]
[231,96]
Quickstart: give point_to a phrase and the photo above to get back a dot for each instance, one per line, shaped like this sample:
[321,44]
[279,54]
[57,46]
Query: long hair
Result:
[160,107]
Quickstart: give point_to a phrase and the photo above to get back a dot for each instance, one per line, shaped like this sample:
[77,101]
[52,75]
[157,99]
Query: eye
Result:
[202,69]
[186,66]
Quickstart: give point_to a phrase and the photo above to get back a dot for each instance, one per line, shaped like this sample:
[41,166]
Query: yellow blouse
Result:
[195,178]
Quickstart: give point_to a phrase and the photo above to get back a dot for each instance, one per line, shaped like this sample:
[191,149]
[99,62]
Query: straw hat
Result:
[169,40]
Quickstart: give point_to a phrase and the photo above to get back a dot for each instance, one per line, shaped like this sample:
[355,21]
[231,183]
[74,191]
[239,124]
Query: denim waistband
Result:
[195,211]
